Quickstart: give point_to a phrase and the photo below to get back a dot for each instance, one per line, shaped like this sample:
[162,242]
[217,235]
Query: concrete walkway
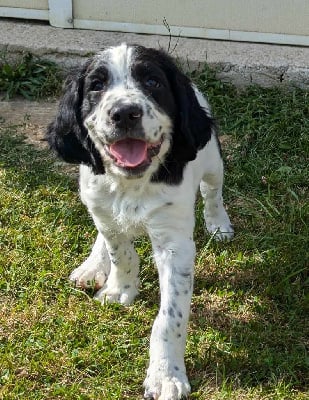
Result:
[239,62]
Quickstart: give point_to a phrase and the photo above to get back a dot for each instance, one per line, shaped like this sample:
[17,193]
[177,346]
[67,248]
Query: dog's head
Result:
[130,111]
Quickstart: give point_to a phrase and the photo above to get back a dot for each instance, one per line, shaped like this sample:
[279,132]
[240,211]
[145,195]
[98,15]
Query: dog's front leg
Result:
[166,376]
[122,282]
[95,269]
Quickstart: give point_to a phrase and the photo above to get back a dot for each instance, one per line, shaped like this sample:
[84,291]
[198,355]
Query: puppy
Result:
[145,141]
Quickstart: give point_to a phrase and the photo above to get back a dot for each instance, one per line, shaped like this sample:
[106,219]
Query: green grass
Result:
[248,333]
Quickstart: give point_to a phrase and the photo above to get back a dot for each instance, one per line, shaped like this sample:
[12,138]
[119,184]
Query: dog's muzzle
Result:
[127,145]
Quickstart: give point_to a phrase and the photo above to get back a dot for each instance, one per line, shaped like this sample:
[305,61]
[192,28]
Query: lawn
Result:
[249,331]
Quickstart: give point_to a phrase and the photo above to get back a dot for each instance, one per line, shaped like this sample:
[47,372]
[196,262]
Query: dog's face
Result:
[130,112]
[128,109]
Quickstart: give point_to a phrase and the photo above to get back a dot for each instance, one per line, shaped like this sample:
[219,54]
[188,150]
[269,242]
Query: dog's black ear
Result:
[66,134]
[194,123]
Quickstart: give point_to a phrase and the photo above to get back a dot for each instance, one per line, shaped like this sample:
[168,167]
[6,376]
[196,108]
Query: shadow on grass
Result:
[34,167]
[44,225]
[249,322]
[253,326]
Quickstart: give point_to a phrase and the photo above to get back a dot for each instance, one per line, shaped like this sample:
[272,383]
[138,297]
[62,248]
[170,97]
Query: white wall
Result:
[269,21]
[273,16]
[28,4]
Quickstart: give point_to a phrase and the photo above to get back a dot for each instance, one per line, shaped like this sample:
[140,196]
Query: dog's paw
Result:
[89,275]
[113,292]
[220,226]
[160,385]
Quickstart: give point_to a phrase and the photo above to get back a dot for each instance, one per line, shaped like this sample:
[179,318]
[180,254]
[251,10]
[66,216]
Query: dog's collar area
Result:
[131,153]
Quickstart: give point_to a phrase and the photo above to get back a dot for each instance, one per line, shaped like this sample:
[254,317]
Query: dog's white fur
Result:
[131,210]
[124,208]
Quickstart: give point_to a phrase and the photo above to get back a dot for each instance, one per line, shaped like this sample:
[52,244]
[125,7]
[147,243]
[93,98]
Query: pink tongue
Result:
[129,152]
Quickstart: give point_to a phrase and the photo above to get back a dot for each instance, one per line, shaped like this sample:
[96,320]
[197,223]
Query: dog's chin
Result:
[129,173]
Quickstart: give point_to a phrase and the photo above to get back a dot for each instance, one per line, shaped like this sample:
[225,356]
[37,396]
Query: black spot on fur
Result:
[171,312]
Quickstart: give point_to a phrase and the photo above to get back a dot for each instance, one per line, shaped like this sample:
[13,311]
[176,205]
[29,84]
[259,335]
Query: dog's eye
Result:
[97,86]
[153,82]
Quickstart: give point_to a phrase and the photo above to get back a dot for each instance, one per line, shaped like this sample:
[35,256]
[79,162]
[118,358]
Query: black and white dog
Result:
[145,139]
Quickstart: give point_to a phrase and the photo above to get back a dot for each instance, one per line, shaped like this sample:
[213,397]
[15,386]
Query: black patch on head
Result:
[175,96]
[67,134]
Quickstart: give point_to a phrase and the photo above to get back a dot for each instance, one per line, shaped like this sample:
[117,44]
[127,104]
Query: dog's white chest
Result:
[126,209]
[129,213]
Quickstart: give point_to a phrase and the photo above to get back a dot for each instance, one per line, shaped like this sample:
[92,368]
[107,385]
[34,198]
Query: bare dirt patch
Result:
[32,116]
[31,119]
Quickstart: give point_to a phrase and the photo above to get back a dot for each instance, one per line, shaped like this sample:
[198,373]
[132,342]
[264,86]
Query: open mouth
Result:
[132,153]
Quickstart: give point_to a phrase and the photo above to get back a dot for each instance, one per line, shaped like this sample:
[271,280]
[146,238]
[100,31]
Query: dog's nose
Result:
[126,115]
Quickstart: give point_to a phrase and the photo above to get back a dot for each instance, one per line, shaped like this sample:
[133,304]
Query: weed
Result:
[30,77]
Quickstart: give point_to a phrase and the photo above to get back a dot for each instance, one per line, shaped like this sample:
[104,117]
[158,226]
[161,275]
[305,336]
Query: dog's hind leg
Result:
[216,218]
